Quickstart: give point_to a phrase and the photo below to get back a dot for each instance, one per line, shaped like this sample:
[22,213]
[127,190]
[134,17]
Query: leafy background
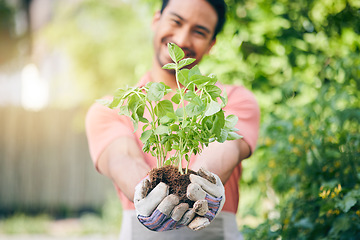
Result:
[302,61]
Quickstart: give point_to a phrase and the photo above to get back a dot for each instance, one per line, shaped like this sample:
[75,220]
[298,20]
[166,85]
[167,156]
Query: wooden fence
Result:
[45,163]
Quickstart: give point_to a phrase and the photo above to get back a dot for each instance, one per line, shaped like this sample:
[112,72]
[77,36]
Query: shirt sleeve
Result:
[103,126]
[242,103]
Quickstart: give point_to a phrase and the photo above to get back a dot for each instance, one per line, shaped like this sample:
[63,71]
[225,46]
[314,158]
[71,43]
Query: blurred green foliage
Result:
[108,44]
[8,40]
[106,222]
[302,61]
[23,224]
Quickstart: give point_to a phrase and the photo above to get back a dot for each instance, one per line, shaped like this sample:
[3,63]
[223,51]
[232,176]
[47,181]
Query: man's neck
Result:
[160,75]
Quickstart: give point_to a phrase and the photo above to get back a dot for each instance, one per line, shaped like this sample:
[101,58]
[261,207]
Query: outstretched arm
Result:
[222,158]
[123,163]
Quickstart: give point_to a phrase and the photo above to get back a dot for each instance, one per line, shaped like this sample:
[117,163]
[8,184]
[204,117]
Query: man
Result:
[116,150]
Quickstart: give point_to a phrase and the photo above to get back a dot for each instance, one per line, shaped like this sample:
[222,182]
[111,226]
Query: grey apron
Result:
[223,227]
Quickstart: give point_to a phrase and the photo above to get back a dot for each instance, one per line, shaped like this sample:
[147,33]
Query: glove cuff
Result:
[214,204]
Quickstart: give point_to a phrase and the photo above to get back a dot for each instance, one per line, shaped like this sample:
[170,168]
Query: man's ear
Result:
[155,20]
[212,43]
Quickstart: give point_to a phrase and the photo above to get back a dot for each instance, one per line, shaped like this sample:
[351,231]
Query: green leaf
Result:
[304,223]
[214,77]
[174,127]
[120,93]
[115,102]
[176,98]
[146,147]
[145,126]
[233,136]
[163,107]
[223,135]
[212,108]
[200,81]
[168,144]
[340,224]
[148,85]
[183,77]
[347,202]
[169,66]
[194,71]
[105,102]
[218,123]
[135,120]
[185,123]
[133,103]
[156,92]
[224,99]
[143,120]
[207,123]
[182,133]
[189,95]
[123,110]
[195,107]
[162,129]
[166,120]
[140,112]
[146,135]
[231,121]
[179,112]
[213,91]
[185,62]
[176,53]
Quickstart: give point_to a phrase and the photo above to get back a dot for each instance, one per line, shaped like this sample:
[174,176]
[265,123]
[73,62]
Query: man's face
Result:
[190,24]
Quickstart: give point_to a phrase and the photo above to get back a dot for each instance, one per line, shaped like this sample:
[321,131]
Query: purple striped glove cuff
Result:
[158,222]
[213,204]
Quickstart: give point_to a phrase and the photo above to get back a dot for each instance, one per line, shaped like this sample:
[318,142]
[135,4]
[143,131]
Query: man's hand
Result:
[159,211]
[208,192]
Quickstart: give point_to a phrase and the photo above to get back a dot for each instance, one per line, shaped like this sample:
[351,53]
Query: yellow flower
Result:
[324,194]
[272,163]
[268,141]
[358,213]
[296,151]
[332,139]
[299,122]
[299,141]
[337,164]
[337,189]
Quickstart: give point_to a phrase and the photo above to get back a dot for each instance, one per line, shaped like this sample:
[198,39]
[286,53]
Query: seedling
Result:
[183,125]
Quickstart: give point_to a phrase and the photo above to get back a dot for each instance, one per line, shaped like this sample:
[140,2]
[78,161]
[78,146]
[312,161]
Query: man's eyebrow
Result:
[198,26]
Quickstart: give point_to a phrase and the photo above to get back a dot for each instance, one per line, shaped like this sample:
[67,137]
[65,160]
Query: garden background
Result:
[300,58]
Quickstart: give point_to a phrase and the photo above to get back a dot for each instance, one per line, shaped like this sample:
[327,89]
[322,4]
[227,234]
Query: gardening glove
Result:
[157,210]
[208,193]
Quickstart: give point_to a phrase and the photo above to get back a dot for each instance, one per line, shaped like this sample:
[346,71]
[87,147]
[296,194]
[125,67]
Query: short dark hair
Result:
[220,8]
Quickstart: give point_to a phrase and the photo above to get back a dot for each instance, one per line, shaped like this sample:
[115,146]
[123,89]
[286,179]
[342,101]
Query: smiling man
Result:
[116,149]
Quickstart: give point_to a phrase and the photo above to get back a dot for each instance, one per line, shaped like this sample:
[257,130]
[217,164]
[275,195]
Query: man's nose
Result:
[183,38]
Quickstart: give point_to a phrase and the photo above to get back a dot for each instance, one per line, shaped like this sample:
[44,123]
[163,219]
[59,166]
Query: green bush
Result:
[301,59]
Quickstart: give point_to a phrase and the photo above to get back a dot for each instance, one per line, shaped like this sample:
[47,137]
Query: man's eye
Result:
[176,22]
[202,34]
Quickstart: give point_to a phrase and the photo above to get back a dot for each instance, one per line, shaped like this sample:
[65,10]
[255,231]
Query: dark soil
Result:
[176,181]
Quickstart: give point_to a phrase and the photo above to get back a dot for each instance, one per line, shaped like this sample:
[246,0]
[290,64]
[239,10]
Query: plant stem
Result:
[182,102]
